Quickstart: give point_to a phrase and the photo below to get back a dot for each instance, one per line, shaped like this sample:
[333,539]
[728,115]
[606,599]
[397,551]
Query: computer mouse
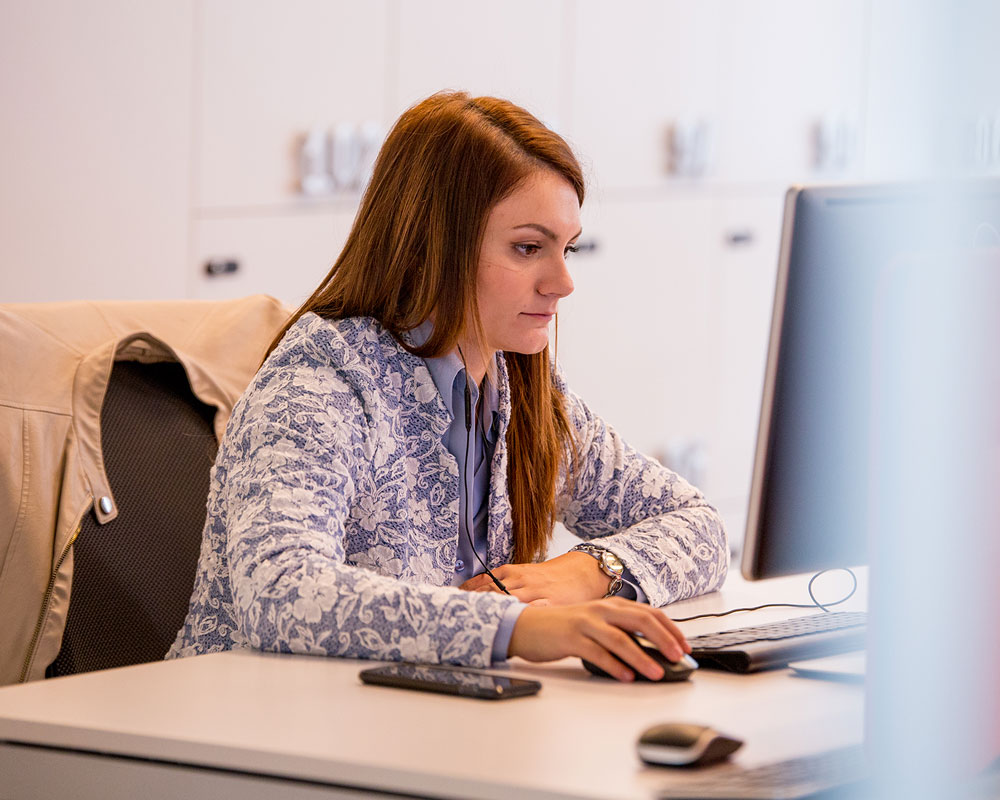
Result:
[680,744]
[672,670]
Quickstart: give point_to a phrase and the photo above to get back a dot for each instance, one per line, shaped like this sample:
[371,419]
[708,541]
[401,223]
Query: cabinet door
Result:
[269,71]
[94,149]
[933,101]
[512,50]
[745,237]
[639,68]
[286,256]
[755,80]
[789,65]
[633,337]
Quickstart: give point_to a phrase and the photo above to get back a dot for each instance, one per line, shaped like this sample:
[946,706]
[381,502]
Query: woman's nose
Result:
[557,280]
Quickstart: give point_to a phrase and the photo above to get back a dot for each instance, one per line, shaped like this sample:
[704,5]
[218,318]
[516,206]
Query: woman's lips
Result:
[540,316]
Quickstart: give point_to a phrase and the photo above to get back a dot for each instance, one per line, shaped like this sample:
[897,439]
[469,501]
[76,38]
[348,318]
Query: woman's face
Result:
[522,263]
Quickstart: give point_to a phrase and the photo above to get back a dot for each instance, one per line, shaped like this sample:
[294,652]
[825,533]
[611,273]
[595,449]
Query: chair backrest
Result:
[133,576]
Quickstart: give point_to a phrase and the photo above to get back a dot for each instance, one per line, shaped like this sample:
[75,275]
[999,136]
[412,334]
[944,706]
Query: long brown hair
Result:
[414,249]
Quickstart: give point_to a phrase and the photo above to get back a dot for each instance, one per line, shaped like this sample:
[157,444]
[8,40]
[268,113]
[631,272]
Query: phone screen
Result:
[448,680]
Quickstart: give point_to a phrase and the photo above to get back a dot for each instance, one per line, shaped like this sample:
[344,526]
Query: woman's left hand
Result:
[573,577]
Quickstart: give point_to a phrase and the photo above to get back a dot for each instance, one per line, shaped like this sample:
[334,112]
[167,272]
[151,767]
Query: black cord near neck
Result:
[465,478]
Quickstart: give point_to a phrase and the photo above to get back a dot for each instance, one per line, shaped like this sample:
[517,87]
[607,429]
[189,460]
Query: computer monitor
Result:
[810,491]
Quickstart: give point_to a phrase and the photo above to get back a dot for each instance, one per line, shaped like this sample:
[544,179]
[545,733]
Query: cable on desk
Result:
[815,603]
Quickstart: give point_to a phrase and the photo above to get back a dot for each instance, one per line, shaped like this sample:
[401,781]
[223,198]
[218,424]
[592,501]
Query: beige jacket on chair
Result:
[55,362]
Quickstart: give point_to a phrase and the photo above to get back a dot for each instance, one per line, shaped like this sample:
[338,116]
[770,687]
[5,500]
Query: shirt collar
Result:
[448,373]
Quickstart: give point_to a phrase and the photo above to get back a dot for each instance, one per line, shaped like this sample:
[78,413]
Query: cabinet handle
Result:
[586,246]
[739,238]
[221,266]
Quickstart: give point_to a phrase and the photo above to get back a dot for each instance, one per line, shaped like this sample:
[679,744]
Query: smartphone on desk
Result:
[448,680]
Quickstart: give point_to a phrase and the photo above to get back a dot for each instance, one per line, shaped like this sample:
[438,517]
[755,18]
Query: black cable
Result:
[465,477]
[815,603]
[844,599]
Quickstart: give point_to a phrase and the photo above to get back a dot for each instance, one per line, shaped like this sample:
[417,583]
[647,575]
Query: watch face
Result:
[612,563]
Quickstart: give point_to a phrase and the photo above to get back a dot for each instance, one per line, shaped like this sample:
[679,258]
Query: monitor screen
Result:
[811,487]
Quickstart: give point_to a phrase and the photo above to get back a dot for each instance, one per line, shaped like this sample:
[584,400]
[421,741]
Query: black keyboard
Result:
[810,776]
[774,644]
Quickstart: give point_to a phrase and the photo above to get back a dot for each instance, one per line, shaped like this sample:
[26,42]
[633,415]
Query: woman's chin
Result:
[529,345]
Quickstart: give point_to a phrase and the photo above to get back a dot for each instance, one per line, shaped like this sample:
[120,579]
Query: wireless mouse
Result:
[672,670]
[679,744]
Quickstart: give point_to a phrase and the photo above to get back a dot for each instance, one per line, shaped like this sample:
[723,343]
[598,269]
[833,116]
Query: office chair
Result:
[132,577]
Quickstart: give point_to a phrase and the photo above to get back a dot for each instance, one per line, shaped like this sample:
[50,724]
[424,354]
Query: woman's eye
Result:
[527,249]
[572,248]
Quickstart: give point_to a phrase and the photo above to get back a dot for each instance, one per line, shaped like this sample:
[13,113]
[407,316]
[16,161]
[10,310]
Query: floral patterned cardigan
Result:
[332,523]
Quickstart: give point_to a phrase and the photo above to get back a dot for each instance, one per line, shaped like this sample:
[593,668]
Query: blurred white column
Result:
[933,688]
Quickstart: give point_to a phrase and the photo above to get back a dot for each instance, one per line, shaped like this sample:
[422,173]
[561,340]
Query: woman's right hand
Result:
[596,631]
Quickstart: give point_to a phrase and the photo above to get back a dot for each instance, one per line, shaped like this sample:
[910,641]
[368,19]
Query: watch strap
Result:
[598,553]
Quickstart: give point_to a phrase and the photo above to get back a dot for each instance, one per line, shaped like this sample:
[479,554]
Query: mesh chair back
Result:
[133,576]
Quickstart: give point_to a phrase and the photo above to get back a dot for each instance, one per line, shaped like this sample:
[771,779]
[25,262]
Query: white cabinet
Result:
[666,333]
[743,243]
[269,71]
[933,99]
[94,149]
[284,255]
[753,85]
[513,50]
[634,336]
[787,66]
[640,67]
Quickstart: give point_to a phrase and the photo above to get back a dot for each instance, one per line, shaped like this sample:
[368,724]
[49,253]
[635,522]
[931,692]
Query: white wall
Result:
[95,148]
[141,140]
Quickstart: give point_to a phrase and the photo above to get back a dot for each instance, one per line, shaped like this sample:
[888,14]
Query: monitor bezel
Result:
[749,563]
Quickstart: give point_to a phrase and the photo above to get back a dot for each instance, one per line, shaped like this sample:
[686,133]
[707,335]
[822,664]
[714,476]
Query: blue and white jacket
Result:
[332,522]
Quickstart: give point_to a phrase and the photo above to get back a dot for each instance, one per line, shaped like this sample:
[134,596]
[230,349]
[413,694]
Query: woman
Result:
[408,430]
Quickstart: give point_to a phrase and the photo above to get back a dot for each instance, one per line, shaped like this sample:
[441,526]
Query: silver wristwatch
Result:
[611,565]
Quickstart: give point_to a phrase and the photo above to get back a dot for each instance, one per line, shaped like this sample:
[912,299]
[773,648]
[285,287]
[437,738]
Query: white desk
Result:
[210,726]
